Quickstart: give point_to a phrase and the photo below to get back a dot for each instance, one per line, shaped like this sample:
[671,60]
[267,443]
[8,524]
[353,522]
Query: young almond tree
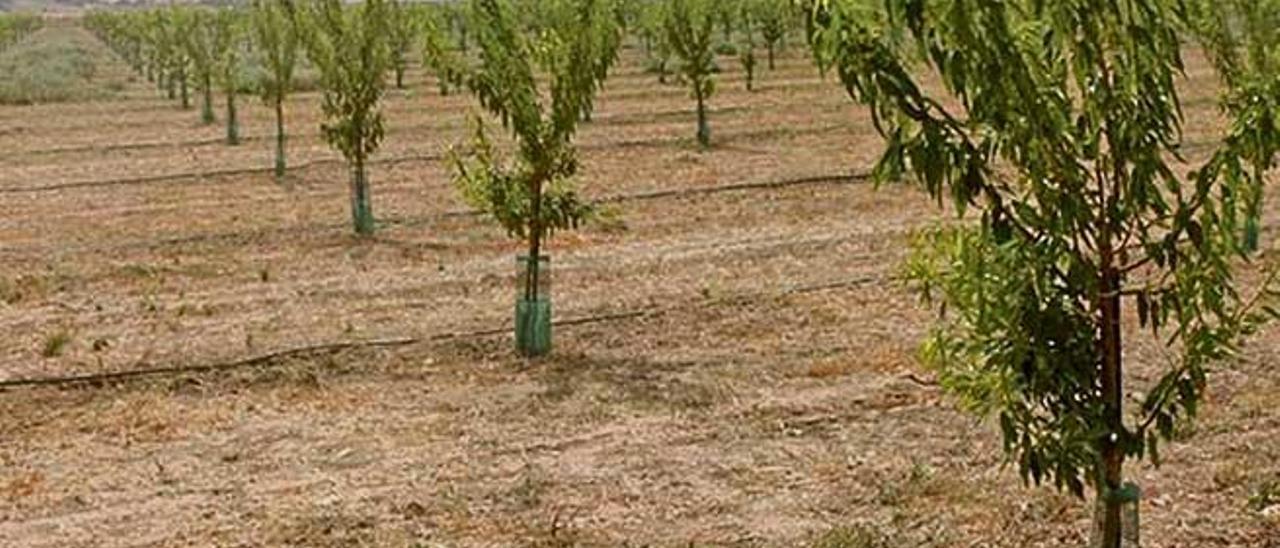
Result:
[772,15]
[458,24]
[1066,136]
[689,28]
[181,23]
[205,44]
[229,24]
[727,13]
[652,30]
[349,46]
[402,27]
[533,196]
[168,48]
[437,54]
[747,44]
[1242,39]
[276,39]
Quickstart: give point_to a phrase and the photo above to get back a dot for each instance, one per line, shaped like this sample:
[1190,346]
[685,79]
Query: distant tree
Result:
[456,15]
[534,196]
[747,44]
[727,11]
[167,49]
[1065,133]
[437,52]
[689,27]
[122,33]
[205,44]
[653,32]
[277,39]
[402,29]
[1242,40]
[229,25]
[180,23]
[350,48]
[773,17]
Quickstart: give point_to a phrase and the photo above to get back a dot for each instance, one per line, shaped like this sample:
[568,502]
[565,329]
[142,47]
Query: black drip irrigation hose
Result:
[200,175]
[616,120]
[852,178]
[276,357]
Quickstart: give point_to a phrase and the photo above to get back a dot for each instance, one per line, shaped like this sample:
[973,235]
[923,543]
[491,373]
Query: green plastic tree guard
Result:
[533,307]
[1129,495]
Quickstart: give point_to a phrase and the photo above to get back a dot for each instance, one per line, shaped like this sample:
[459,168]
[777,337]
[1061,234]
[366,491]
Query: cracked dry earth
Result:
[762,391]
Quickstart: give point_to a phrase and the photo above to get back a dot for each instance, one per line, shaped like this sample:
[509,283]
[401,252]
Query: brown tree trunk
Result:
[1111,474]
[535,245]
[281,166]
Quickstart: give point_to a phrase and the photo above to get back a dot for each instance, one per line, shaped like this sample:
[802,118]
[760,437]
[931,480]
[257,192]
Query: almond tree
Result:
[1066,136]
[350,48]
[533,196]
[772,17]
[180,23]
[437,52]
[204,44]
[228,23]
[458,24]
[689,28]
[653,32]
[277,39]
[402,28]
[167,48]
[747,44]
[727,11]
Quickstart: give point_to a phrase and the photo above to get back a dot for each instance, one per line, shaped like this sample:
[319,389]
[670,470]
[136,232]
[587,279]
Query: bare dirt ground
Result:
[738,367]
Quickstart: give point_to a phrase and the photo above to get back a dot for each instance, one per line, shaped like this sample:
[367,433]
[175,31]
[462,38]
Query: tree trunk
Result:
[171,87]
[186,93]
[1111,475]
[771,55]
[704,129]
[206,110]
[535,245]
[233,123]
[281,165]
[399,76]
[361,208]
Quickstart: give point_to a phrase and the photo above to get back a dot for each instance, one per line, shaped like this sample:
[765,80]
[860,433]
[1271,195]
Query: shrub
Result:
[55,344]
[53,67]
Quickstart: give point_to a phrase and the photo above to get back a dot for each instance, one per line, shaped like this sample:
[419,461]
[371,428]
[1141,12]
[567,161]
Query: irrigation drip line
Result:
[273,358]
[660,194]
[815,180]
[198,175]
[623,119]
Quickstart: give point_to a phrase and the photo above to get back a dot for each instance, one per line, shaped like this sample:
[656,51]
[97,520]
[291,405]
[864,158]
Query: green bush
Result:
[52,67]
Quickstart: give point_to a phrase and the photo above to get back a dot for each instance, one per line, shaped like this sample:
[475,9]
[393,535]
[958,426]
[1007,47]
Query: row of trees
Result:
[539,75]
[15,27]
[351,49]
[185,49]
